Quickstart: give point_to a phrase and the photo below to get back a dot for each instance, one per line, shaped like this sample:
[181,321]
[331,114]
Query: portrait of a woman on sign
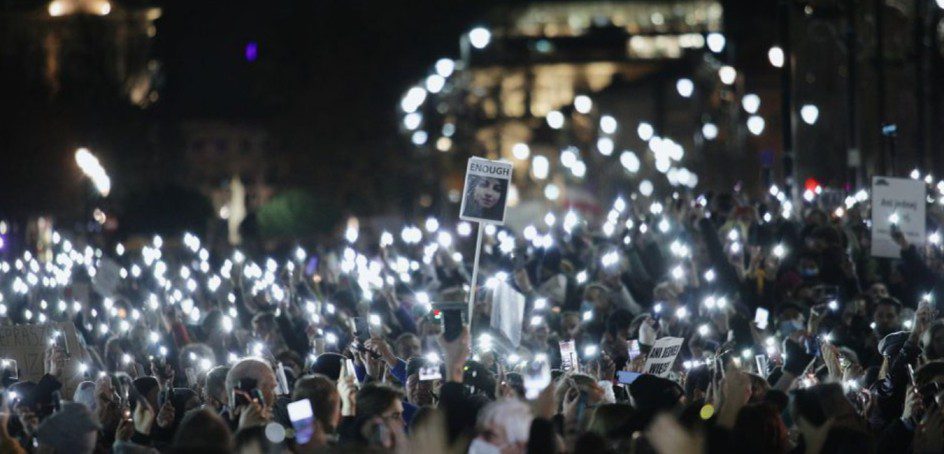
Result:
[485,198]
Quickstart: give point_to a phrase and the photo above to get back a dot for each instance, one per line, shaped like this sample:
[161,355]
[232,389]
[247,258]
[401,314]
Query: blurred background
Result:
[262,121]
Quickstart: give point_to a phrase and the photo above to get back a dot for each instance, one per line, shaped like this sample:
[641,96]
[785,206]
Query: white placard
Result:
[507,312]
[662,356]
[485,195]
[903,198]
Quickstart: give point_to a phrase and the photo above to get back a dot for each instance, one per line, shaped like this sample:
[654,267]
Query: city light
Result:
[776,57]
[727,74]
[630,161]
[809,113]
[608,124]
[583,104]
[716,42]
[521,151]
[709,131]
[445,67]
[555,119]
[540,167]
[645,131]
[93,170]
[750,102]
[755,125]
[685,87]
[479,37]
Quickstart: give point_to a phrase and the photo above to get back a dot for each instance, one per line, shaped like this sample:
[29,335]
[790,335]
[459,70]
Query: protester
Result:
[675,325]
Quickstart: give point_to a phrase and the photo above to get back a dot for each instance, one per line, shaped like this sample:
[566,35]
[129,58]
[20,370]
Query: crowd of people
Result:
[794,338]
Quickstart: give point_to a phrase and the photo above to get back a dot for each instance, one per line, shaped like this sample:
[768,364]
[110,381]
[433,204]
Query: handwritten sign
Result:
[898,201]
[27,344]
[662,356]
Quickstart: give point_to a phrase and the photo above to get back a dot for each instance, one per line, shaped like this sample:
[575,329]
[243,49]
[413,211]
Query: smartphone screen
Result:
[568,353]
[760,317]
[452,324]
[303,420]
[361,329]
[430,372]
[634,351]
[312,267]
[626,377]
[536,378]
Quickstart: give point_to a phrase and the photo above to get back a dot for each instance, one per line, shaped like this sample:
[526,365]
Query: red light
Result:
[811,184]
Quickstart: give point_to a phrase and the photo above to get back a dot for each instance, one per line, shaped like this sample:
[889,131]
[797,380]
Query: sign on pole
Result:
[485,195]
[897,201]
[484,200]
[662,356]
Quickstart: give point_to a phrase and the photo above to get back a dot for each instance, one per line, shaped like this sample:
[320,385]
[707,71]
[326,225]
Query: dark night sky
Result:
[339,65]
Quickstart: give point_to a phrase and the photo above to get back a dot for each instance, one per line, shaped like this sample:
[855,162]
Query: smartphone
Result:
[303,420]
[430,372]
[911,376]
[762,365]
[761,317]
[56,401]
[281,380]
[9,369]
[452,324]
[312,266]
[634,350]
[537,377]
[361,329]
[59,340]
[568,352]
[626,377]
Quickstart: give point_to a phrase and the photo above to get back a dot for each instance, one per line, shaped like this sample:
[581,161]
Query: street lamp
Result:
[93,170]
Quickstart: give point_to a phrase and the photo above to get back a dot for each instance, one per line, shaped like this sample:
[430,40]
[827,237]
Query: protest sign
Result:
[507,312]
[27,345]
[485,195]
[662,356]
[899,202]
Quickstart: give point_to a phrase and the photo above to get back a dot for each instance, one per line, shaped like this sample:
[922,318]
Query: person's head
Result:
[253,440]
[618,324]
[203,430]
[486,192]
[264,326]
[252,369]
[666,294]
[408,346]
[932,341]
[760,429]
[505,423]
[877,291]
[611,420]
[85,395]
[325,400]
[598,296]
[214,390]
[73,429]
[885,316]
[148,387]
[380,400]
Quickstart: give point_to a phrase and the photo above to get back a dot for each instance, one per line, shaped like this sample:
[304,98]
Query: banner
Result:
[485,195]
[898,201]
[662,356]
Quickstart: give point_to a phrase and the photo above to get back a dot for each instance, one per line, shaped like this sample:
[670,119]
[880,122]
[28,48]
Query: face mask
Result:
[480,446]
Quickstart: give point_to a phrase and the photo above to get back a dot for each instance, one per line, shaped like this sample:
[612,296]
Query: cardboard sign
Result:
[27,344]
[901,200]
[662,356]
[485,195]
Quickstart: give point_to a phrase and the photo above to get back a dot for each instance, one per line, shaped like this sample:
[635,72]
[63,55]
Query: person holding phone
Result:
[250,406]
